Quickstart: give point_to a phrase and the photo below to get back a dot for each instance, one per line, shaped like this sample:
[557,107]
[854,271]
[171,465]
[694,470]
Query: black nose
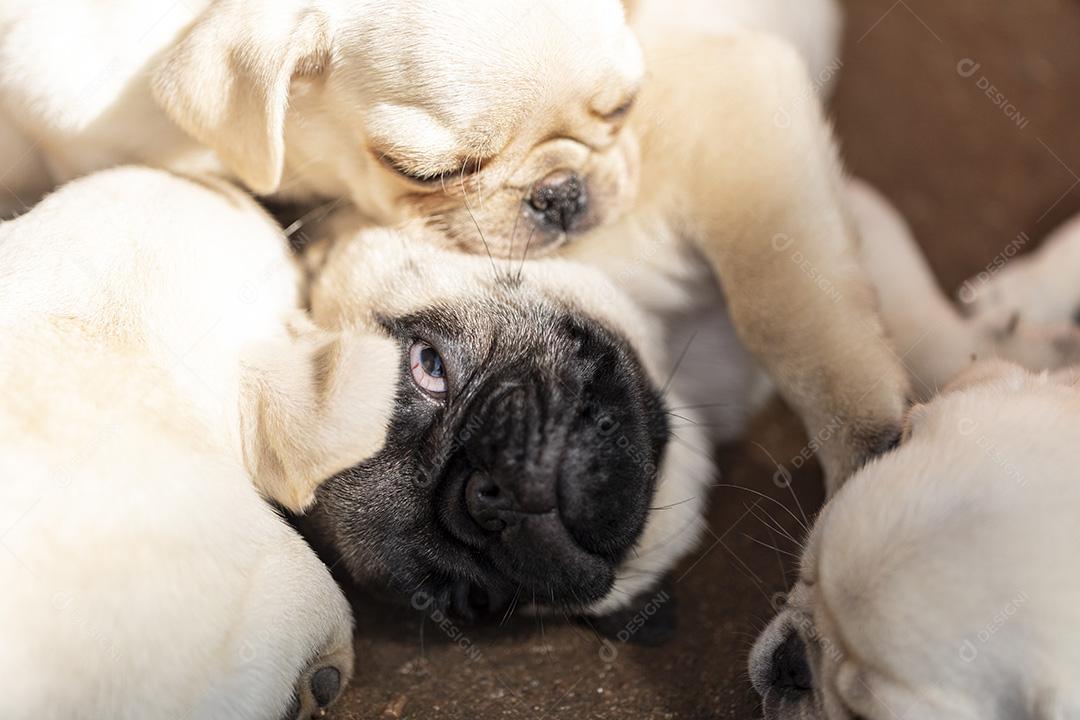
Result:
[790,670]
[560,199]
[491,504]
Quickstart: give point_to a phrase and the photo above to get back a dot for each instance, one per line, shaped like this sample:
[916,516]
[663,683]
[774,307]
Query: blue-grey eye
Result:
[428,370]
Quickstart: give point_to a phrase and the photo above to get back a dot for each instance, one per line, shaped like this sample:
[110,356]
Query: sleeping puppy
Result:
[936,584]
[530,452]
[162,381]
[506,110]
[931,586]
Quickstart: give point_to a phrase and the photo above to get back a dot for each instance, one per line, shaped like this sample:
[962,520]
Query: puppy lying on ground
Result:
[410,109]
[160,374]
[156,363]
[935,584]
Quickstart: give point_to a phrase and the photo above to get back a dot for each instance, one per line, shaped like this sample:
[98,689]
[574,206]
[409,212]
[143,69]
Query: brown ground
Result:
[969,179]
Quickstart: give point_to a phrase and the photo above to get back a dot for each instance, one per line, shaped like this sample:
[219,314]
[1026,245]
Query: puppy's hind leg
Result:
[937,343]
[922,324]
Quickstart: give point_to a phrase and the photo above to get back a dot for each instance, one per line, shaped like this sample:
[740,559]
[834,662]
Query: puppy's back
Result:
[157,268]
[143,574]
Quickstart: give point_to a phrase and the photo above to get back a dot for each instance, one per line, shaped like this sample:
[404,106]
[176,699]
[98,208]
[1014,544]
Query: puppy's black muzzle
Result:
[555,487]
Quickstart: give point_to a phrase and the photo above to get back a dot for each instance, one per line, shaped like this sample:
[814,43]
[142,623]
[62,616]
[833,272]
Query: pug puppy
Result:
[530,451]
[498,112]
[523,139]
[931,585]
[163,384]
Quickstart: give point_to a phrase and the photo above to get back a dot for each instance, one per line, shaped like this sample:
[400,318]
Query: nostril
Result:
[790,669]
[485,502]
[559,198]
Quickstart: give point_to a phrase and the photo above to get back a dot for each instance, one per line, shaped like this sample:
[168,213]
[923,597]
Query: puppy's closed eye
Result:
[619,112]
[429,175]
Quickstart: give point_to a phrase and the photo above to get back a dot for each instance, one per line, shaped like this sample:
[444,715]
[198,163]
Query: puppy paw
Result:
[319,687]
[1033,345]
[845,447]
[874,441]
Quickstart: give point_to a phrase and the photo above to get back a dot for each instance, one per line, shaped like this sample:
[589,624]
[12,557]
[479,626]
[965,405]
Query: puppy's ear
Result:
[227,81]
[313,405]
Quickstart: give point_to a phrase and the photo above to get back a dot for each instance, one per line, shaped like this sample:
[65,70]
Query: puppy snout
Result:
[549,499]
[560,200]
[790,675]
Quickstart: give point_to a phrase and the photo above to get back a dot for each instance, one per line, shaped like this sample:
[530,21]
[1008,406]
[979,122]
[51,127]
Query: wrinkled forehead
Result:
[486,66]
[378,273]
[450,46]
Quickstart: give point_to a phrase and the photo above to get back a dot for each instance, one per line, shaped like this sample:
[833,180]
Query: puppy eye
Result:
[428,370]
[467,168]
[620,112]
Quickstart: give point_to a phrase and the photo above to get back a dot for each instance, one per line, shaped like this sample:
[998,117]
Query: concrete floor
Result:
[970,179]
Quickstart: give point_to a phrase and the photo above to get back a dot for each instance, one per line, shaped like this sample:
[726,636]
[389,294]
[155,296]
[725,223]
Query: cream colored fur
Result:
[936,584]
[160,375]
[728,151]
[311,99]
[742,190]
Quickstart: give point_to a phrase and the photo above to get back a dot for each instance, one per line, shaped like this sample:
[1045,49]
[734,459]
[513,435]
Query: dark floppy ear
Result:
[314,404]
[226,82]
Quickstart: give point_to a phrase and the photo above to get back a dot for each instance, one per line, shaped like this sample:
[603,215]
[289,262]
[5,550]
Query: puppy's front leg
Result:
[763,205]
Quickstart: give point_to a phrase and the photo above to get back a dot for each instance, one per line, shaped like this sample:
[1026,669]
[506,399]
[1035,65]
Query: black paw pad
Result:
[325,685]
[879,441]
